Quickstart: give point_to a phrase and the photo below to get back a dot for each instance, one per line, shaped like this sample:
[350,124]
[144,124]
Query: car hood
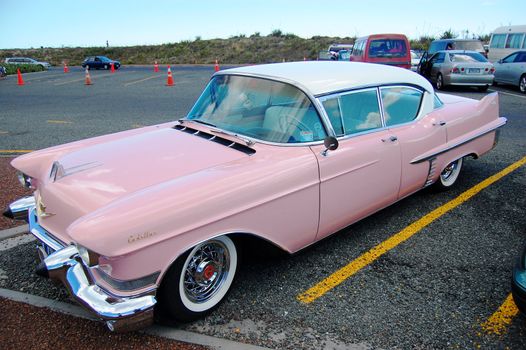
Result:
[91,177]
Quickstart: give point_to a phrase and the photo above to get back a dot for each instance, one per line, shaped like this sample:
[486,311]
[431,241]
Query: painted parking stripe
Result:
[507,93]
[58,122]
[141,80]
[498,322]
[369,257]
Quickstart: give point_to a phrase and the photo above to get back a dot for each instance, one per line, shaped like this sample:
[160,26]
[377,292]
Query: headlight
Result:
[88,257]
[24,179]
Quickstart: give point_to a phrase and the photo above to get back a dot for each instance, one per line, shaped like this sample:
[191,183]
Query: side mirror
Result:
[330,143]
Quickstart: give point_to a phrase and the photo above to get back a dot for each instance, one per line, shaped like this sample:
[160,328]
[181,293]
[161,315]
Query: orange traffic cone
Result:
[216,67]
[156,67]
[88,77]
[20,80]
[66,69]
[112,67]
[170,81]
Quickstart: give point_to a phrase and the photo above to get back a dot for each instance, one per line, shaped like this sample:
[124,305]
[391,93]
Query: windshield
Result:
[387,48]
[104,59]
[263,109]
[467,57]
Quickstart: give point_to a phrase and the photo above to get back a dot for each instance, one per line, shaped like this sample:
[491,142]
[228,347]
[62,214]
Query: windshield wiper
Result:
[202,122]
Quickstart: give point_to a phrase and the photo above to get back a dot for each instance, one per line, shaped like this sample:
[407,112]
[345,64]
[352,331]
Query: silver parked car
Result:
[27,60]
[512,70]
[457,67]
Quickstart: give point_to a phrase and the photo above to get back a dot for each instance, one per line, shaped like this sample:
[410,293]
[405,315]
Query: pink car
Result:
[150,220]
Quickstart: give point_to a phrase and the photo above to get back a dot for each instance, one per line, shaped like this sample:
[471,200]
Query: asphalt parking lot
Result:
[446,286]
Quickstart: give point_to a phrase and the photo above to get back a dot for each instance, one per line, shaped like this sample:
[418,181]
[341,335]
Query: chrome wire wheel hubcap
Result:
[206,271]
[522,85]
[450,173]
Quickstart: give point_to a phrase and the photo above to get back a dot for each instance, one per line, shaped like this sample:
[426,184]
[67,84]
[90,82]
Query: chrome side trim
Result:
[41,234]
[432,171]
[459,143]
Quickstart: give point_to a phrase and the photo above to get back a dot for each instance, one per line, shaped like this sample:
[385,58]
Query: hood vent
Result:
[214,138]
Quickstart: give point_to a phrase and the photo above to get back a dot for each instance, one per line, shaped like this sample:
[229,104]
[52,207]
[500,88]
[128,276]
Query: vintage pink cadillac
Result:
[149,220]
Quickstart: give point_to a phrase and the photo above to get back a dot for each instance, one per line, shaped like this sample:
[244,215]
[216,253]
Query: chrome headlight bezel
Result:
[25,180]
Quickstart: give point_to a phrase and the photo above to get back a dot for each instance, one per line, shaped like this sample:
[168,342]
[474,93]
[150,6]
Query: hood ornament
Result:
[58,171]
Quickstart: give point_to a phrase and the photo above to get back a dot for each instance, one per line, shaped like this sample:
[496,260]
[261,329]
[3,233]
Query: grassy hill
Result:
[274,47]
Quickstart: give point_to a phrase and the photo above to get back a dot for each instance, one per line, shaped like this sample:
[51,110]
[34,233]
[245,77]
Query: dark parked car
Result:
[456,44]
[99,62]
[518,284]
[3,72]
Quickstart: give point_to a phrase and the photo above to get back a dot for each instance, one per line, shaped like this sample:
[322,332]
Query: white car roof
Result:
[323,77]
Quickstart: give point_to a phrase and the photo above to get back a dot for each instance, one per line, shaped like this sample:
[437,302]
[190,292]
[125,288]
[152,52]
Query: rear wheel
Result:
[483,88]
[449,176]
[522,84]
[106,66]
[199,280]
[440,82]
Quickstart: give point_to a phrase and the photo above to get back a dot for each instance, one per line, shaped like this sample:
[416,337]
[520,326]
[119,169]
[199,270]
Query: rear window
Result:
[468,45]
[467,57]
[387,48]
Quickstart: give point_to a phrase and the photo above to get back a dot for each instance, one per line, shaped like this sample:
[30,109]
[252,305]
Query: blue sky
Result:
[56,23]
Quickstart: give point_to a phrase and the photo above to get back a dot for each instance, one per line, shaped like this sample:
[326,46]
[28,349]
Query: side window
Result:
[497,41]
[510,58]
[354,112]
[332,107]
[360,111]
[440,57]
[401,104]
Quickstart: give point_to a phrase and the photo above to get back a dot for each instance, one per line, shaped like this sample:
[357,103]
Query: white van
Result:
[506,40]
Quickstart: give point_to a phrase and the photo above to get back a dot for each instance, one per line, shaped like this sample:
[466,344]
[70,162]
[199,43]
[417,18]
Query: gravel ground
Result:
[30,327]
[10,190]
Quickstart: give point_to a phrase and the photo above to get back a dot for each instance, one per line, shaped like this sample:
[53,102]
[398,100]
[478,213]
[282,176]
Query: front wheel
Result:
[522,84]
[199,280]
[449,176]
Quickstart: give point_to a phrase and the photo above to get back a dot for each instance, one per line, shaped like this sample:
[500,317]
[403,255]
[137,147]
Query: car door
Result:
[505,68]
[518,68]
[436,63]
[363,174]
[97,63]
[416,133]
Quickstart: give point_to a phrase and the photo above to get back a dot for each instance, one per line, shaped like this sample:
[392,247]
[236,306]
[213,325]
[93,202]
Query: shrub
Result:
[24,68]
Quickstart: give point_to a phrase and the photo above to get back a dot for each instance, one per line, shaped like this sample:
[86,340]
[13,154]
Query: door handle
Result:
[440,123]
[391,138]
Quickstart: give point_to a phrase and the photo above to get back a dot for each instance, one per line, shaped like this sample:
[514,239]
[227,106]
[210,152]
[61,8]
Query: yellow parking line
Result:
[9,151]
[141,80]
[498,322]
[59,122]
[367,258]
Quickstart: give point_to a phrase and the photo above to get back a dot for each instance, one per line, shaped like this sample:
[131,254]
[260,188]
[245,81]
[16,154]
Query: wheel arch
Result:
[241,239]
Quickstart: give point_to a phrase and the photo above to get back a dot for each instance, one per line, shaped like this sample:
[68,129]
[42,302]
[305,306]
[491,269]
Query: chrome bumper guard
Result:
[63,263]
[120,314]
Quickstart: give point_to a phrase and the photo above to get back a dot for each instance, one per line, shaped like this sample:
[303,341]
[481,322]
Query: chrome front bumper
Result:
[63,263]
